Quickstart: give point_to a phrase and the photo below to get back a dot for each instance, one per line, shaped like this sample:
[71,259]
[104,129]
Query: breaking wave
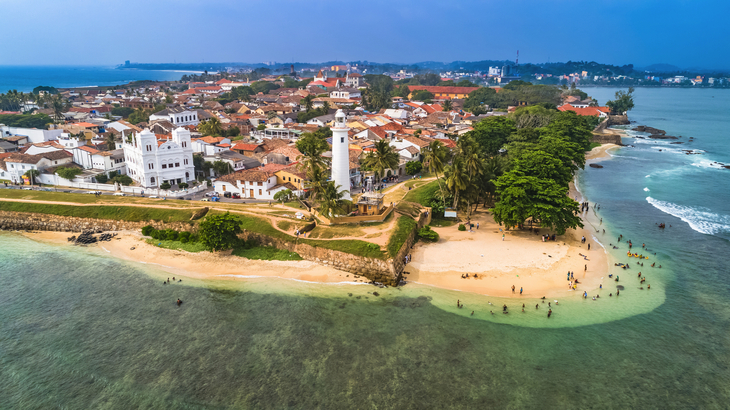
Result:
[699,219]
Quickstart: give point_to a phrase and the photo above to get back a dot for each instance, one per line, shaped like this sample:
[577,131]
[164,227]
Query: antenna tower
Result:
[517,60]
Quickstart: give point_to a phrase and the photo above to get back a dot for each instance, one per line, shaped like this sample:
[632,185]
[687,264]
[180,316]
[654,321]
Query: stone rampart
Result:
[47,222]
[376,270]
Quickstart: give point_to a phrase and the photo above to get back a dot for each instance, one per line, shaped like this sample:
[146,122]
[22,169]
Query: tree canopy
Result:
[220,232]
[623,103]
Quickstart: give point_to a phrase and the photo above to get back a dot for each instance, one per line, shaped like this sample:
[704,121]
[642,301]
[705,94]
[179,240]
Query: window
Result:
[152,180]
[149,148]
[185,161]
[150,166]
[184,144]
[259,190]
[260,184]
[342,139]
[164,166]
[177,164]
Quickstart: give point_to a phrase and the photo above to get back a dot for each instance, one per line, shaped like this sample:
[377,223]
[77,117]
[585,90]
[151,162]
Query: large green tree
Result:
[492,133]
[436,156]
[624,101]
[211,126]
[220,232]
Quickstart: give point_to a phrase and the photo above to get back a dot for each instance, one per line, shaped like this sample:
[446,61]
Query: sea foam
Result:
[699,219]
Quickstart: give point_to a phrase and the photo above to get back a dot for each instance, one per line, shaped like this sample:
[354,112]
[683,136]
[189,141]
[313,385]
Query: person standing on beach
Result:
[513,288]
[502,237]
[589,246]
[521,294]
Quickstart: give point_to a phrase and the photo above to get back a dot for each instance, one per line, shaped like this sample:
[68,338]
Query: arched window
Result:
[152,180]
[187,175]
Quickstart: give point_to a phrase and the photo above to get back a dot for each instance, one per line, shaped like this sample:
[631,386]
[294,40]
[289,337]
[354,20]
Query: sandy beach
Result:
[131,246]
[521,259]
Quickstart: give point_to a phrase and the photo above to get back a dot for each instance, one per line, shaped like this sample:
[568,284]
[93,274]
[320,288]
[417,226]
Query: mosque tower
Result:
[341,154]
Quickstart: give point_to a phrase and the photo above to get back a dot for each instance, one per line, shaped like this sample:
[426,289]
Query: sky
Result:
[688,34]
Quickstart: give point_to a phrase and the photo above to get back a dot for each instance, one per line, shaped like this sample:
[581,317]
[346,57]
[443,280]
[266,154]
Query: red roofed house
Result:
[601,112]
[248,149]
[252,184]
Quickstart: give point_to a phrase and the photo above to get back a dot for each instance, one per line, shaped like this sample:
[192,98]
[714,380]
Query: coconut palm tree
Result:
[308,102]
[331,202]
[58,106]
[457,178]
[384,157]
[326,107]
[447,106]
[435,155]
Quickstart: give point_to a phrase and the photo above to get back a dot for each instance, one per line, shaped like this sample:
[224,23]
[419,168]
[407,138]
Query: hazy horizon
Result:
[164,31]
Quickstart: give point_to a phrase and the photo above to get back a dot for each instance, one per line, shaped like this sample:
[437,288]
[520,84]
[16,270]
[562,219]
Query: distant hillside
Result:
[662,68]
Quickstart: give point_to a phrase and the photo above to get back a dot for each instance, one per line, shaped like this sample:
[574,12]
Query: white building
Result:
[252,184]
[16,165]
[34,135]
[178,116]
[151,162]
[341,154]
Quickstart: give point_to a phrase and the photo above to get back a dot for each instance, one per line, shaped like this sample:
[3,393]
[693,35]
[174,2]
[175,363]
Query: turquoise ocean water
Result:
[81,330]
[25,78]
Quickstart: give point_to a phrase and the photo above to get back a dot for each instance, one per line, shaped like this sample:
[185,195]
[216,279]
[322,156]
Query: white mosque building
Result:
[150,161]
[340,154]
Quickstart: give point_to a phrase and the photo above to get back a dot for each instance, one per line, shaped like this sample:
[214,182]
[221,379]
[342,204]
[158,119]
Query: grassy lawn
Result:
[90,199]
[594,145]
[355,247]
[177,245]
[403,228]
[335,231]
[122,213]
[422,194]
[267,253]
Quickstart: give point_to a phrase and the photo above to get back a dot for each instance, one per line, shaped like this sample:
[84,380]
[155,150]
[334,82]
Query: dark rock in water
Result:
[677,142]
[619,287]
[595,166]
[726,166]
[650,130]
[376,294]
[662,137]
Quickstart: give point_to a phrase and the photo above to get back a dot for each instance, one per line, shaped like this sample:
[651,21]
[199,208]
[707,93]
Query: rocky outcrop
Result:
[648,130]
[618,120]
[595,166]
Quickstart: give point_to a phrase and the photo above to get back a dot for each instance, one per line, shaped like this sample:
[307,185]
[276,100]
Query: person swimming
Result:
[179,302]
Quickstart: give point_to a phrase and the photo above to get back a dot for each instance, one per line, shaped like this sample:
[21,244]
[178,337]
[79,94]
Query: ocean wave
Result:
[699,219]
[646,189]
[648,176]
[704,163]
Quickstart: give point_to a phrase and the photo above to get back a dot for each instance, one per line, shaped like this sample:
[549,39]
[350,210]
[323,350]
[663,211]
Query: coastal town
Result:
[376,169]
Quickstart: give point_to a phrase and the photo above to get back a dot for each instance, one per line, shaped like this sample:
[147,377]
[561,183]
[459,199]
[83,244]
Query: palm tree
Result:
[211,126]
[308,102]
[326,107]
[435,155]
[447,106]
[384,157]
[316,182]
[457,178]
[331,202]
[110,141]
[58,107]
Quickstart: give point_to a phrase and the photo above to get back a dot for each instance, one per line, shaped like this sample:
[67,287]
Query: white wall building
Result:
[34,135]
[252,184]
[177,116]
[151,164]
[341,154]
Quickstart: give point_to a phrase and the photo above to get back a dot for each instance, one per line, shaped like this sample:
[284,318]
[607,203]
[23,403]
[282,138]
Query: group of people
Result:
[466,276]
[407,259]
[548,237]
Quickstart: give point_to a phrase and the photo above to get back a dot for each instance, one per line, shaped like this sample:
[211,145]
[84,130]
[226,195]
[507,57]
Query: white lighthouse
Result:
[340,154]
